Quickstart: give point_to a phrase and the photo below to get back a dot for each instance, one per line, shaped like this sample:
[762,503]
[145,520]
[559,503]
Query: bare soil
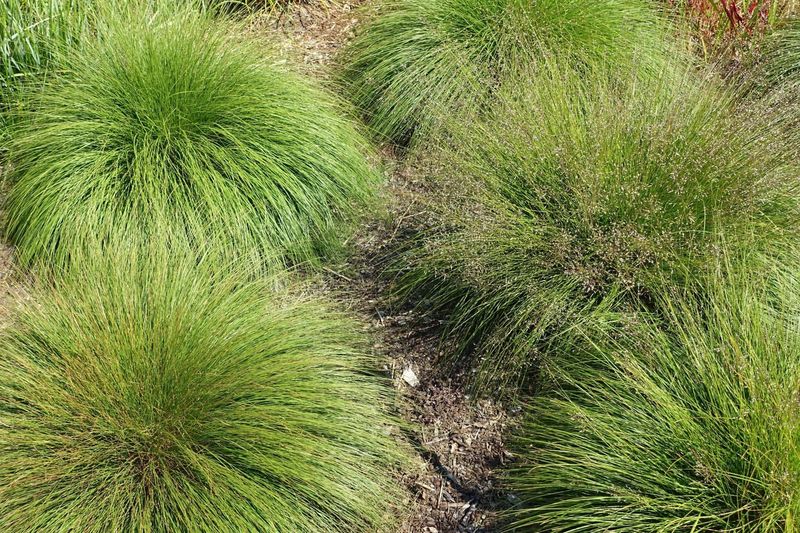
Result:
[12,284]
[309,35]
[458,439]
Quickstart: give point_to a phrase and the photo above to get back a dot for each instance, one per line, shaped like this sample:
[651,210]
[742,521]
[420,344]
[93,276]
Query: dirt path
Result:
[12,282]
[459,441]
[12,288]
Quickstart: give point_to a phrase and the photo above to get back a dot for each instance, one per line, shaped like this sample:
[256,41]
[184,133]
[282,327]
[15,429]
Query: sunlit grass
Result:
[577,189]
[415,61]
[31,31]
[151,392]
[171,114]
[685,423]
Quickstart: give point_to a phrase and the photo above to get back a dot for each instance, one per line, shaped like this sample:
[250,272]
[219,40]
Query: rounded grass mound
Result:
[578,189]
[155,396]
[168,116]
[692,429]
[419,60]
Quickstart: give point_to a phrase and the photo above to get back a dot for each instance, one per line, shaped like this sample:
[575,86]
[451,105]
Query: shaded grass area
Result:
[689,423]
[150,392]
[169,114]
[779,69]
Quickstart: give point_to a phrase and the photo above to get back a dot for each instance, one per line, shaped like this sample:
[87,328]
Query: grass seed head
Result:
[579,189]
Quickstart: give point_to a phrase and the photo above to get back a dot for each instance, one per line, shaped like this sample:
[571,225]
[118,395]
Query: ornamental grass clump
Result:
[578,189]
[159,395]
[169,114]
[689,422]
[416,61]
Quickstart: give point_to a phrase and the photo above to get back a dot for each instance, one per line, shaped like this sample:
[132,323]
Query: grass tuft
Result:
[580,189]
[780,64]
[31,33]
[168,115]
[416,61]
[693,427]
[150,393]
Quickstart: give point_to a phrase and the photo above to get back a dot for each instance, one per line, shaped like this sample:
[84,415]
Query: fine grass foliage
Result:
[772,79]
[31,33]
[143,394]
[687,423]
[415,61]
[780,64]
[169,114]
[579,189]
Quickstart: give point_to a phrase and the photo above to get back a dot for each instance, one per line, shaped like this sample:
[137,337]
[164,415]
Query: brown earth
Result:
[12,282]
[458,439]
[12,286]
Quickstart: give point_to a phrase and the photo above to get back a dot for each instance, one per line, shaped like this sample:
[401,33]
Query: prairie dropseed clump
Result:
[417,61]
[578,189]
[166,115]
[142,394]
[691,423]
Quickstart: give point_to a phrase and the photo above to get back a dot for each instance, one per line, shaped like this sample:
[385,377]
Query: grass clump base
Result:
[577,190]
[417,61]
[271,6]
[693,428]
[151,395]
[168,116]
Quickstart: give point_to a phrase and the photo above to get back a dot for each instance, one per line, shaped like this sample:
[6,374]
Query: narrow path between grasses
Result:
[459,441]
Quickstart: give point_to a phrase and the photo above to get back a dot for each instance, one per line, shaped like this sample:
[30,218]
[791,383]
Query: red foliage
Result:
[720,23]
